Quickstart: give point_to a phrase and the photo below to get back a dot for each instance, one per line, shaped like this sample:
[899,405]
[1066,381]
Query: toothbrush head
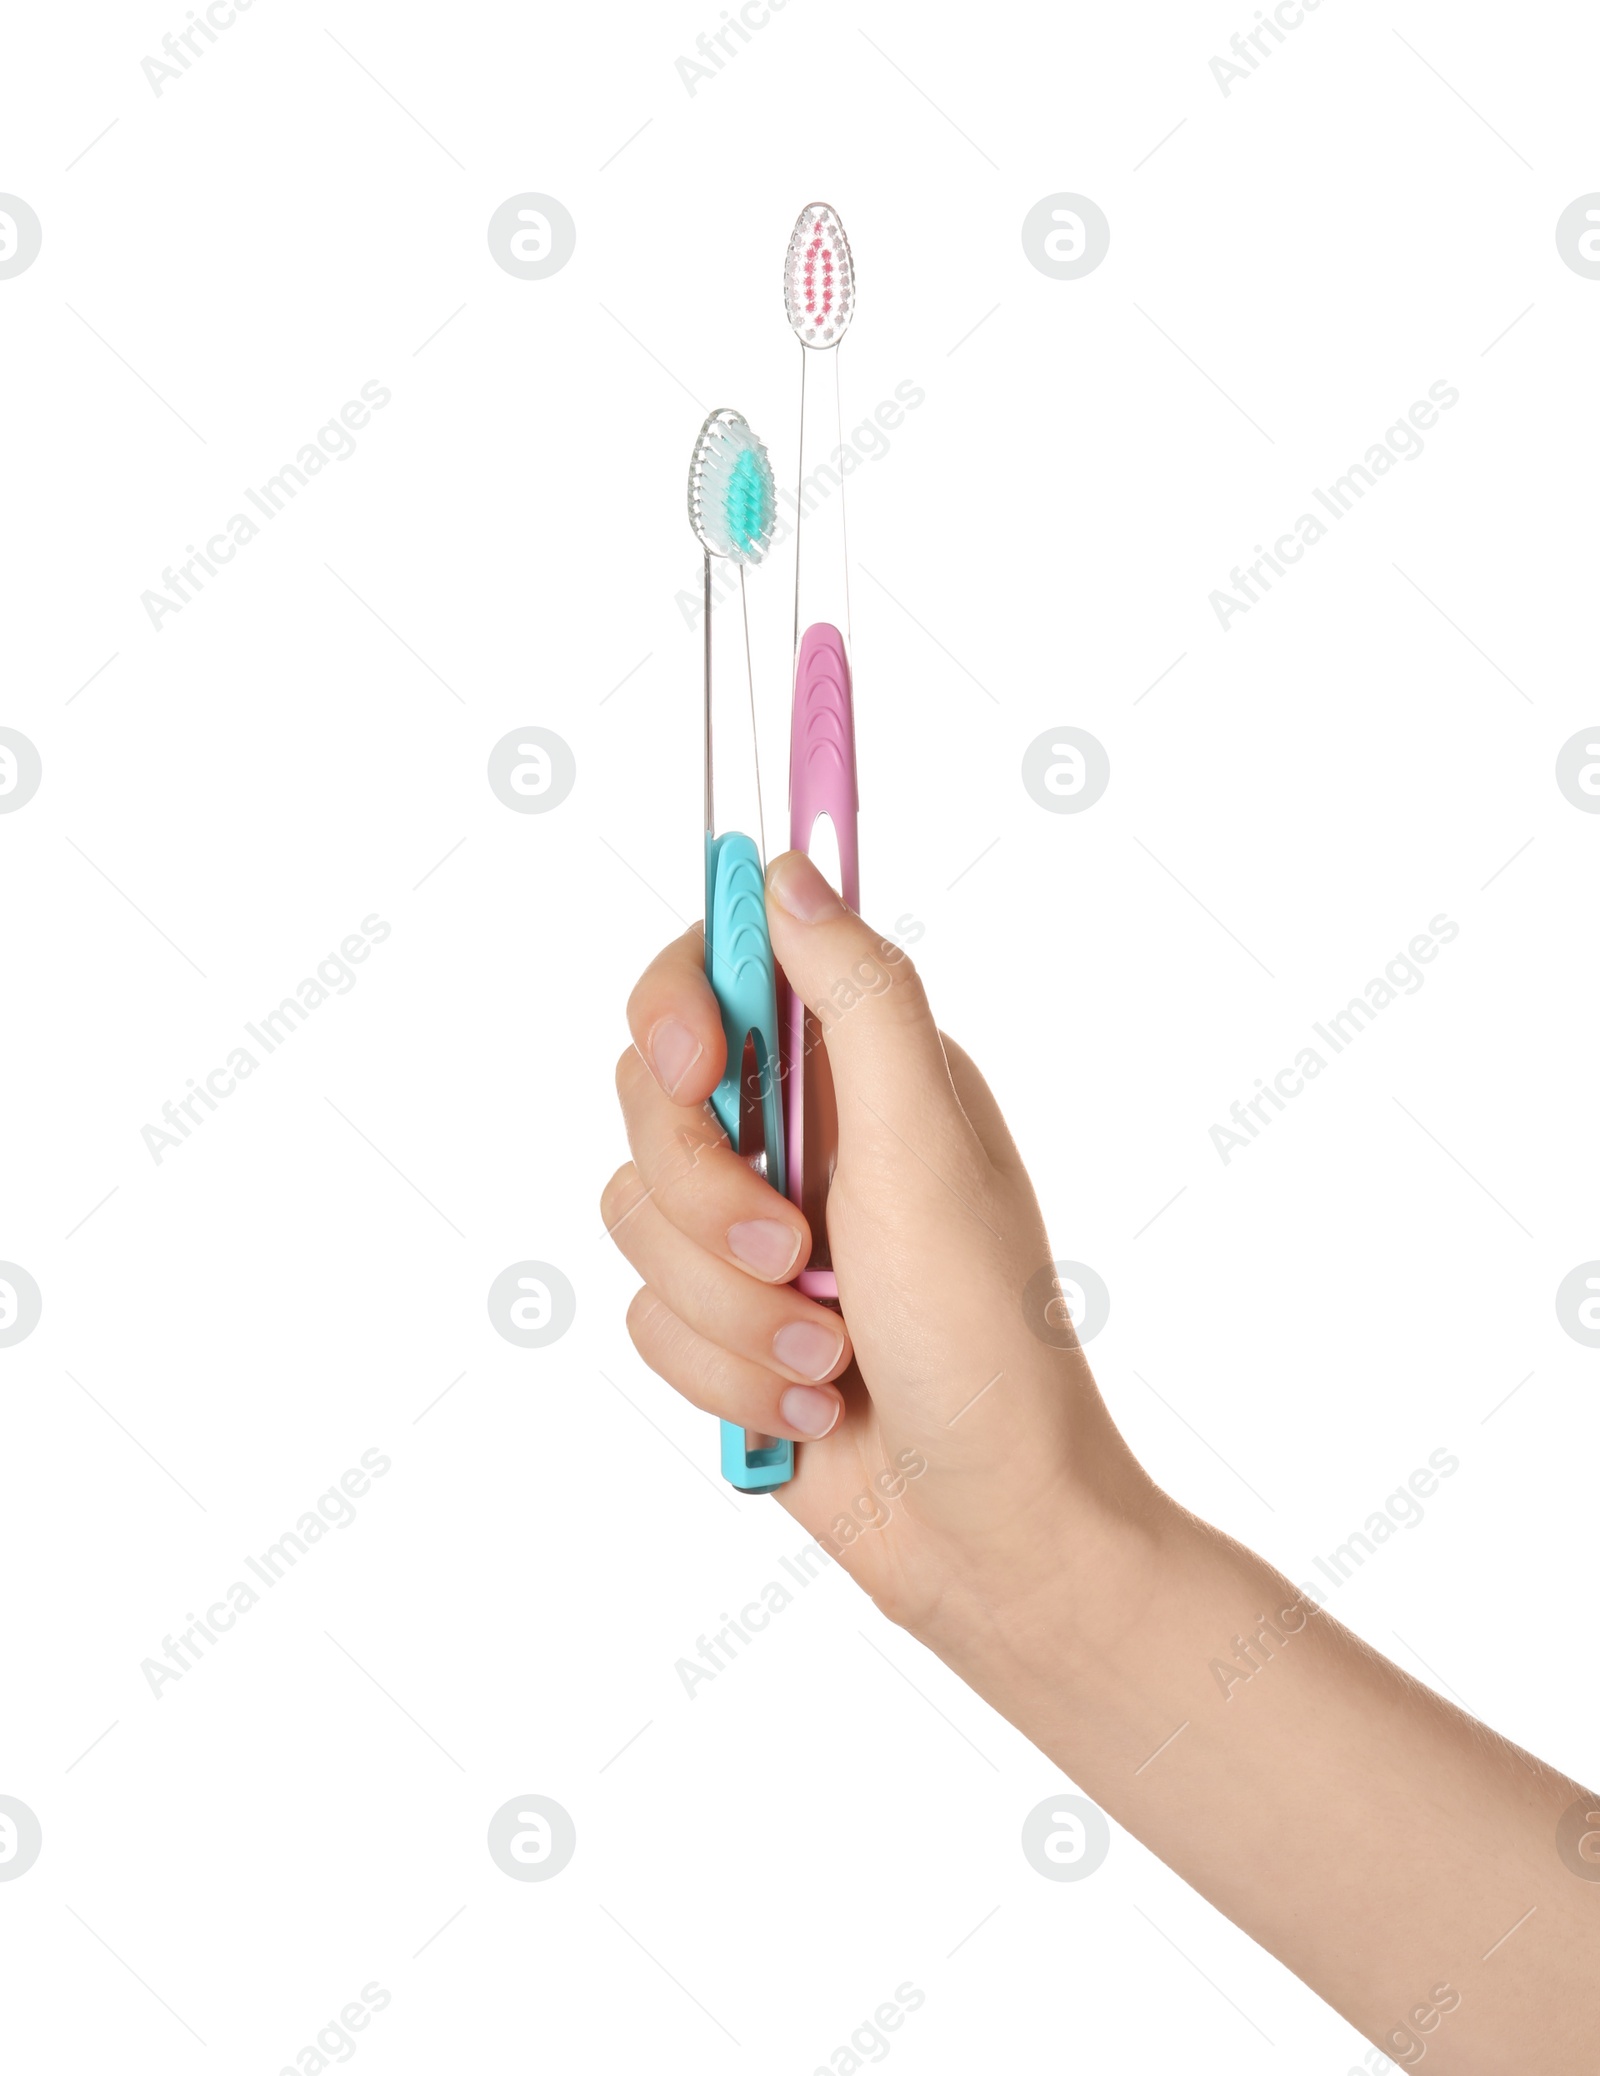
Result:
[733,503]
[819,280]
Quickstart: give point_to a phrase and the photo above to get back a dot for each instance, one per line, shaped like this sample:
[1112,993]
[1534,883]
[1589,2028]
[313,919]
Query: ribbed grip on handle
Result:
[743,977]
[822,751]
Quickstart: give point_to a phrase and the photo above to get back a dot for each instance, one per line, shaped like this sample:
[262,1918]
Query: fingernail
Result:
[800,888]
[767,1245]
[810,1412]
[673,1051]
[807,1348]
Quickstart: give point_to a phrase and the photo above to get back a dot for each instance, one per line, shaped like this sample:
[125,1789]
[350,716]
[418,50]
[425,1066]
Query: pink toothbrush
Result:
[819,297]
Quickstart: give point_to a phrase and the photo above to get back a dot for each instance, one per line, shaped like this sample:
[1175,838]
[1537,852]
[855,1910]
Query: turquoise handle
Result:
[744,979]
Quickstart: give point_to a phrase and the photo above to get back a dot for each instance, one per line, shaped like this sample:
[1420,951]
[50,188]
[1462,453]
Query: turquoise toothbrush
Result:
[733,508]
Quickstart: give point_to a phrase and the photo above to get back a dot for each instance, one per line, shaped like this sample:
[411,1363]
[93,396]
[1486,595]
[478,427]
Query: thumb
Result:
[915,1215]
[884,1049]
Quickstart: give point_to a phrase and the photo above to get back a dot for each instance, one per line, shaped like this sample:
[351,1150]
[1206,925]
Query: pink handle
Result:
[822,781]
[822,751]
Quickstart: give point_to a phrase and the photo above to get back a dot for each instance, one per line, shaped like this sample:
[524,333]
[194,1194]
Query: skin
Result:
[1377,1840]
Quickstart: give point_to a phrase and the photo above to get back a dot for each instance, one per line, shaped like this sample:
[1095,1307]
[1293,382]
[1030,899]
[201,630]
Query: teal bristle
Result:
[749,507]
[733,500]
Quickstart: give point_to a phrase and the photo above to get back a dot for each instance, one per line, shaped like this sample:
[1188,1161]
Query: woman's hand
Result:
[953,1458]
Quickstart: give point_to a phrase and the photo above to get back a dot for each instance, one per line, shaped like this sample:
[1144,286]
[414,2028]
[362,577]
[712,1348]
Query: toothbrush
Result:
[733,509]
[819,298]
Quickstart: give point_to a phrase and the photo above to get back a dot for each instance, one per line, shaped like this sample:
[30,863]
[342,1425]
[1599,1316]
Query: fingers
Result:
[768,1325]
[720,1382]
[883,1046]
[675,1022]
[704,1188]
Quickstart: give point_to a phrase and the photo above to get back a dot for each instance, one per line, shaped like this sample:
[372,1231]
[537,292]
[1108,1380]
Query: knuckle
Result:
[881,978]
[905,993]
[620,1195]
[641,1311]
[680,1171]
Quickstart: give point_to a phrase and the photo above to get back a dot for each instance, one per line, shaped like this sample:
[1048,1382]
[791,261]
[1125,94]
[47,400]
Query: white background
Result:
[1293,801]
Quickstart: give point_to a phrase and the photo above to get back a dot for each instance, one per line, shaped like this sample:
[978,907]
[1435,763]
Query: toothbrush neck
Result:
[816,506]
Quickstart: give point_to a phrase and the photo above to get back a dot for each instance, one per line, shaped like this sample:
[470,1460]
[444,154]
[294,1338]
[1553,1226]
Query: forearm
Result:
[1378,1841]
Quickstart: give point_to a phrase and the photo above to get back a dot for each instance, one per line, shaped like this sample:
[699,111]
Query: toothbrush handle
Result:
[743,977]
[822,781]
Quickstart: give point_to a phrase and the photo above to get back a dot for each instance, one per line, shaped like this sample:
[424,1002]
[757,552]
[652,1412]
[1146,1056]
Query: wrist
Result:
[1052,1599]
